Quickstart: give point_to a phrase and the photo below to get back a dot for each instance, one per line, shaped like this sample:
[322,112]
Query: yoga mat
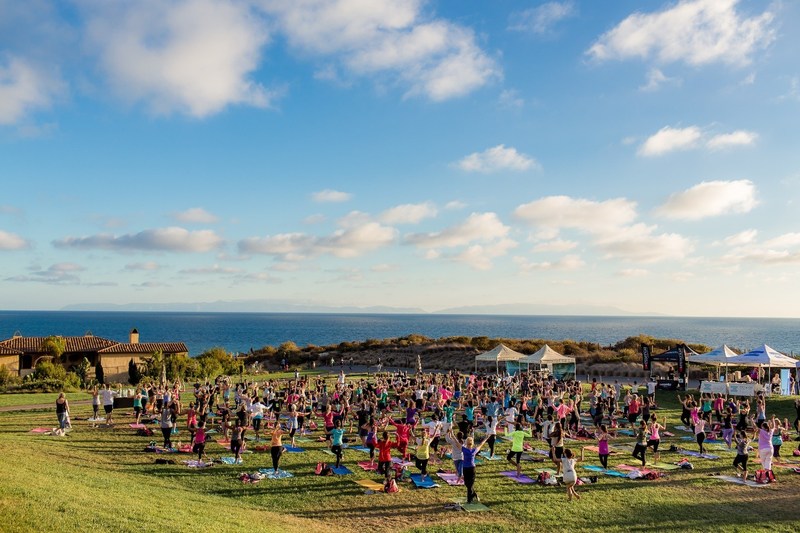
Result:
[294,449]
[740,481]
[137,426]
[360,449]
[664,466]
[40,430]
[545,453]
[399,461]
[427,483]
[450,478]
[369,467]
[370,485]
[683,428]
[628,432]
[519,479]
[596,449]
[668,433]
[185,449]
[95,419]
[708,456]
[302,440]
[601,470]
[223,442]
[230,460]
[629,468]
[198,464]
[326,451]
[490,458]
[474,507]
[341,471]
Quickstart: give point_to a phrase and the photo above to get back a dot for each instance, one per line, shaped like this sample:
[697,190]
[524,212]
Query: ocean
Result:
[238,332]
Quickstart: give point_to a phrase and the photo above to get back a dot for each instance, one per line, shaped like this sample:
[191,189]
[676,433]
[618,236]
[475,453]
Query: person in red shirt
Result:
[633,410]
[403,431]
[384,446]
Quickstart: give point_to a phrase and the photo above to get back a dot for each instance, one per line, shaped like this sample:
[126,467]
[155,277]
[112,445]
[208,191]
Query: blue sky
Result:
[403,153]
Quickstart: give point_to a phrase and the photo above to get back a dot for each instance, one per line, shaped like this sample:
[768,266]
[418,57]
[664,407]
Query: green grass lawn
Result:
[101,479]
[36,398]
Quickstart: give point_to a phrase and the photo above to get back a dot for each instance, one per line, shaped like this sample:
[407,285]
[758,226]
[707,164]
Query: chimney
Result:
[134,337]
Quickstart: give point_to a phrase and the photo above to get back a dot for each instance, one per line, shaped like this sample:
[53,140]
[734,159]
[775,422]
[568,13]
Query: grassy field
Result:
[101,479]
[37,398]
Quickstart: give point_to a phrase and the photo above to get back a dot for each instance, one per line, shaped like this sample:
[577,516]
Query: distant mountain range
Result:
[277,306]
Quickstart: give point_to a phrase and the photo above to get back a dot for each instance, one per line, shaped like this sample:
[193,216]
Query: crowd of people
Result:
[427,417]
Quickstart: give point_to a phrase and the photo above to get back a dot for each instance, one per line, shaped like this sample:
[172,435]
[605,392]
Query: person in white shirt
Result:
[257,414]
[108,402]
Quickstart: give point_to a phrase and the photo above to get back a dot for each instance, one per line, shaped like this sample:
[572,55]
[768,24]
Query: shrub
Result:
[46,370]
[72,381]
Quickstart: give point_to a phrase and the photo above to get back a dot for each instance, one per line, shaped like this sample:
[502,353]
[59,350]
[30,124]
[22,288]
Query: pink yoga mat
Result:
[40,430]
[137,426]
[367,466]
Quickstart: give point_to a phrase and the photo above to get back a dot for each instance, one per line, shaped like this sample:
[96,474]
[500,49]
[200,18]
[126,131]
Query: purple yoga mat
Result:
[519,479]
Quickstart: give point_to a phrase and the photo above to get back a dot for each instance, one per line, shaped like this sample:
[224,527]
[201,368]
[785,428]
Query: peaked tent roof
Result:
[717,357]
[501,352]
[547,355]
[764,356]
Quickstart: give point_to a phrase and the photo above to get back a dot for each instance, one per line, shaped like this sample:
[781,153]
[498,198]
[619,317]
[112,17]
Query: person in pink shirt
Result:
[655,436]
[765,451]
[403,431]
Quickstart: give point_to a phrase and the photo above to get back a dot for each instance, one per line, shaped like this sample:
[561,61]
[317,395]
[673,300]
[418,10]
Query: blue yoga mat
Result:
[294,449]
[341,471]
[427,484]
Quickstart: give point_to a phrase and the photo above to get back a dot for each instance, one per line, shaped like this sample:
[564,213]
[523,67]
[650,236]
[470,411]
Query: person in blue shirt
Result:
[469,451]
[337,435]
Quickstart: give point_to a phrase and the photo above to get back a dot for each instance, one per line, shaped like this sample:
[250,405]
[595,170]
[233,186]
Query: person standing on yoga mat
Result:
[517,446]
[166,426]
[700,433]
[337,442]
[557,446]
[237,438]
[95,403]
[423,454]
[655,436]
[640,450]
[62,411]
[385,454]
[490,426]
[276,446]
[742,454]
[455,453]
[765,451]
[108,402]
[199,446]
[727,427]
[470,451]
[602,445]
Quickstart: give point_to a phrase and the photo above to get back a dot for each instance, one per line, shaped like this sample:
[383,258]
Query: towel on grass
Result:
[420,483]
[271,474]
[522,478]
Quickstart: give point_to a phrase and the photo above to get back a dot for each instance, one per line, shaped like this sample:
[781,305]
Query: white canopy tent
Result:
[548,358]
[719,357]
[501,352]
[763,356]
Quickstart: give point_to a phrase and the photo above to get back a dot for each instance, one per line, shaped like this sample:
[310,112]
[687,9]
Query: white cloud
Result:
[541,19]
[454,205]
[429,56]
[556,212]
[480,256]
[24,88]
[728,140]
[510,99]
[656,79]
[568,262]
[149,266]
[195,215]
[497,159]
[787,240]
[408,213]
[640,243]
[383,267]
[777,251]
[11,241]
[57,274]
[350,241]
[191,56]
[477,227]
[172,239]
[741,238]
[696,32]
[557,245]
[669,139]
[681,277]
[710,198]
[330,196]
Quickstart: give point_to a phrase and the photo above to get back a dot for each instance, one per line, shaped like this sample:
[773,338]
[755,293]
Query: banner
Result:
[681,359]
[742,389]
[713,387]
[646,354]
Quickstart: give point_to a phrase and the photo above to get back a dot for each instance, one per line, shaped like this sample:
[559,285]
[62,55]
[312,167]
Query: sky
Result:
[406,153]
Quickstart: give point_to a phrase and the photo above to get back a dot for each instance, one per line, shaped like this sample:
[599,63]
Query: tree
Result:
[83,371]
[54,346]
[134,374]
[99,374]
